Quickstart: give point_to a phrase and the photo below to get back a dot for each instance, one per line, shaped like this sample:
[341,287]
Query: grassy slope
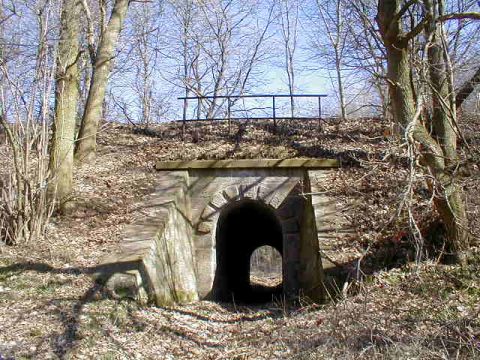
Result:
[49,307]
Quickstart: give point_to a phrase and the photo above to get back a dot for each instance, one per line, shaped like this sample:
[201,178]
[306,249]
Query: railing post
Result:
[319,114]
[199,103]
[274,113]
[292,106]
[184,123]
[229,113]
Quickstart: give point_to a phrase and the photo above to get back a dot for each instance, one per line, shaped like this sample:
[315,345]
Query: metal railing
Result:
[232,99]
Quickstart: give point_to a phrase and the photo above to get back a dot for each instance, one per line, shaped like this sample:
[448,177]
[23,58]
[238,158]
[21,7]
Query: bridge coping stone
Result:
[307,163]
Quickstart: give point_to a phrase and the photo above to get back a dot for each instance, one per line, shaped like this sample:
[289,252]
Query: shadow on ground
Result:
[69,310]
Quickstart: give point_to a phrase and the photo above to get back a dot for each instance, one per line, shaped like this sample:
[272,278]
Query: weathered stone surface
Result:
[203,241]
[209,212]
[330,219]
[127,285]
[206,265]
[218,200]
[275,200]
[285,212]
[231,192]
[205,227]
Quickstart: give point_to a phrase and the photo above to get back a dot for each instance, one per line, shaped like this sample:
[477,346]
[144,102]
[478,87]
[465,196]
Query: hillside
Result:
[387,306]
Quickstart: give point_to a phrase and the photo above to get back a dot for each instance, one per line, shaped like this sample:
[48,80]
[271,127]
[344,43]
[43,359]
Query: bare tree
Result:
[185,16]
[221,44]
[102,60]
[66,100]
[334,24]
[24,115]
[438,150]
[366,53]
[146,35]
[289,17]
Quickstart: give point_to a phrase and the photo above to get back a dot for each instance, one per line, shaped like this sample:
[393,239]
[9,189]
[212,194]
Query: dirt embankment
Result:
[50,308]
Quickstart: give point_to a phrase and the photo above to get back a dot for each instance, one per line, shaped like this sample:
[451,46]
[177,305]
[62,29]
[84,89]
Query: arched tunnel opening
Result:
[242,228]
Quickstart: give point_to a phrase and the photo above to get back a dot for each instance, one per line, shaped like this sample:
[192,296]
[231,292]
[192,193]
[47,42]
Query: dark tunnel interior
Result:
[242,228]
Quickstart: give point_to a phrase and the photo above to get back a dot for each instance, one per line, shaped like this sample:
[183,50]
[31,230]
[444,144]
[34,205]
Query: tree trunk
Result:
[435,155]
[338,44]
[87,139]
[341,92]
[66,100]
[443,117]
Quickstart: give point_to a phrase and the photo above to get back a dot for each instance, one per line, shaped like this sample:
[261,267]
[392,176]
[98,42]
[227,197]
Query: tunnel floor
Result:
[242,228]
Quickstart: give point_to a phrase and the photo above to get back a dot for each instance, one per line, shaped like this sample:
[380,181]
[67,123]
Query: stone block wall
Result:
[155,260]
[330,219]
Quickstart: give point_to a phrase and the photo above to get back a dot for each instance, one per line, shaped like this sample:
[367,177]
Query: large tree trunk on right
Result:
[435,155]
[87,138]
[66,100]
[443,117]
[450,204]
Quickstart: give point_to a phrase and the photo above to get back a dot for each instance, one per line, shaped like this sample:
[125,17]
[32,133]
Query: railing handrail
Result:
[249,96]
[231,103]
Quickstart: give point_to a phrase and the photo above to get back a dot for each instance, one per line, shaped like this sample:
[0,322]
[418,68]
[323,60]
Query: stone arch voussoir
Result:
[231,194]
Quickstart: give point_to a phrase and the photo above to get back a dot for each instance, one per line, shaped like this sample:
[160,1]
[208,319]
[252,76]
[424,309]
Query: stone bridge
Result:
[200,227]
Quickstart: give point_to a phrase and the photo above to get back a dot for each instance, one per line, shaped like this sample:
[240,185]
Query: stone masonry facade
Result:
[169,255]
